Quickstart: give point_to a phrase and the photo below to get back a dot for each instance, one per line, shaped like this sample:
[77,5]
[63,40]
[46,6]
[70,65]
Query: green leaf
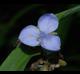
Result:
[16,61]
[65,18]
[68,12]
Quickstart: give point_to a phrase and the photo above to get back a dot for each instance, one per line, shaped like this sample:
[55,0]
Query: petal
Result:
[51,43]
[29,35]
[48,23]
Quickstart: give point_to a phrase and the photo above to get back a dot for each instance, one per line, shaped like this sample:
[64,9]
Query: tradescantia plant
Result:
[43,35]
[34,36]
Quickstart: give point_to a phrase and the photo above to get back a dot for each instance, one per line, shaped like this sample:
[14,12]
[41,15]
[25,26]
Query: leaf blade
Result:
[16,61]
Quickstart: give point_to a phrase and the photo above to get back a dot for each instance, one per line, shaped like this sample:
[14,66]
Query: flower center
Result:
[44,36]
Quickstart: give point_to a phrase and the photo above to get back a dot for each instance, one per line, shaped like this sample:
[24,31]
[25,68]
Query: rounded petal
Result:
[48,23]
[51,43]
[29,35]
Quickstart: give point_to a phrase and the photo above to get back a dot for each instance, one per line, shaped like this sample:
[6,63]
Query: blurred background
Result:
[14,17]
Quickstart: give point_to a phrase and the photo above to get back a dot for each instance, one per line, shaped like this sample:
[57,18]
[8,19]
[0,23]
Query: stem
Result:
[18,45]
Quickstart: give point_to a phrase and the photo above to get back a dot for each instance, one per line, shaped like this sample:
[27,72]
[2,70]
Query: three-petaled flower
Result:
[42,35]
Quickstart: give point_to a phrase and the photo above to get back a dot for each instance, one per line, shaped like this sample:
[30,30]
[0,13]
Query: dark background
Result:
[8,38]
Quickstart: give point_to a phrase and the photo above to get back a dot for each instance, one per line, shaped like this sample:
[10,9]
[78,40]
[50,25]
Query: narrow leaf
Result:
[69,12]
[65,18]
[16,61]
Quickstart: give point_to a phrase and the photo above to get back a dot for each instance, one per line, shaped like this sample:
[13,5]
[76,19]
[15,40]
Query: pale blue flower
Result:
[42,35]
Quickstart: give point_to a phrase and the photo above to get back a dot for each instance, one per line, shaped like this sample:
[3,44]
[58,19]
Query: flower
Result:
[42,34]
